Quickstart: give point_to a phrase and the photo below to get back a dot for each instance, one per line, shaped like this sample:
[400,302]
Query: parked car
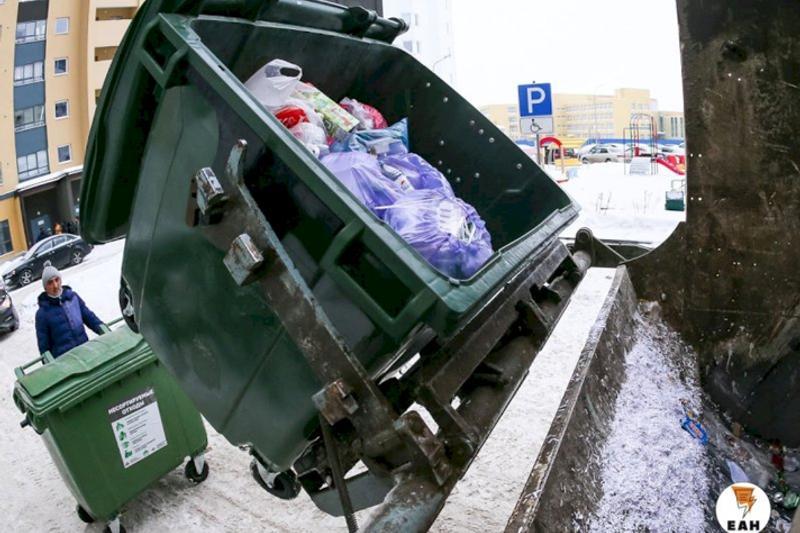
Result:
[568,153]
[644,151]
[601,154]
[59,250]
[9,320]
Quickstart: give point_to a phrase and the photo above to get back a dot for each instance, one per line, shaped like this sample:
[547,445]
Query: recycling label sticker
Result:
[137,427]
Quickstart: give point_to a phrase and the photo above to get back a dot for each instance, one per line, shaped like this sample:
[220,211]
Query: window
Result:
[418,47]
[409,46]
[30,73]
[104,53]
[408,18]
[6,246]
[29,118]
[62,25]
[65,153]
[62,109]
[45,247]
[416,19]
[32,165]
[28,32]
[61,65]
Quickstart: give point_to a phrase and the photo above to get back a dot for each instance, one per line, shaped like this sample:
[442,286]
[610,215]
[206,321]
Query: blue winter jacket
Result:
[59,322]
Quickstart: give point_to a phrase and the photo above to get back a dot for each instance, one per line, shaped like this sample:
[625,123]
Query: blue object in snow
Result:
[695,429]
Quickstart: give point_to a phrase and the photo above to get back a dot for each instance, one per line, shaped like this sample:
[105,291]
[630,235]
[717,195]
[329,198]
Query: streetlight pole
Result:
[448,56]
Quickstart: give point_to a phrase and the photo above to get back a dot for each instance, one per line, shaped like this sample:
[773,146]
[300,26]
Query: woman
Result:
[61,316]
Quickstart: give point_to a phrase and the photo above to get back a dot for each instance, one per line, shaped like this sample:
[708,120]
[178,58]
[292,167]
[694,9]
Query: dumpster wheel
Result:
[126,306]
[283,485]
[191,473]
[84,515]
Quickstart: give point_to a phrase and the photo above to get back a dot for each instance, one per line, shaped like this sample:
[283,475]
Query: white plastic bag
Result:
[274,82]
[309,133]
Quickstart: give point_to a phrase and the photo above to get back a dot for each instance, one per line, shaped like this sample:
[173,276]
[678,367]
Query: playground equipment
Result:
[673,163]
[676,197]
[639,143]
[174,114]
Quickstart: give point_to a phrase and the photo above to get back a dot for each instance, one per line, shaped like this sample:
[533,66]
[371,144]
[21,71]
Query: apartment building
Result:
[55,56]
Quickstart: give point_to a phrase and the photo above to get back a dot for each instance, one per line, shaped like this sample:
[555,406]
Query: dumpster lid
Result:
[119,130]
[83,371]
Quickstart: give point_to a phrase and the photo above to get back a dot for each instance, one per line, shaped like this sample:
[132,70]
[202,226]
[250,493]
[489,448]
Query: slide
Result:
[672,166]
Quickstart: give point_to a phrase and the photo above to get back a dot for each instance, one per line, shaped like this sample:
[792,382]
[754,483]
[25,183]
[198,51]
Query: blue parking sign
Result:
[535,100]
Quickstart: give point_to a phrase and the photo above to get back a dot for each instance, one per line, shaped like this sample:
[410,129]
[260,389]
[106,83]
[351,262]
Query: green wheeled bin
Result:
[303,303]
[113,420]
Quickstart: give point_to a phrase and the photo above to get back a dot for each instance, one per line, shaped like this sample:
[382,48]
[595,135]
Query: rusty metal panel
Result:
[729,278]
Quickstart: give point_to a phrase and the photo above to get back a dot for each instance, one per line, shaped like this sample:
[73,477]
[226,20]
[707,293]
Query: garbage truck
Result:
[305,328]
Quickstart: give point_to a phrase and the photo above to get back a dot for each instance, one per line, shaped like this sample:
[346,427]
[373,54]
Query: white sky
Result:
[580,46]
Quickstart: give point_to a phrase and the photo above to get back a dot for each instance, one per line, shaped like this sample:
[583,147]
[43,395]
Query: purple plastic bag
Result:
[361,174]
[446,231]
[419,173]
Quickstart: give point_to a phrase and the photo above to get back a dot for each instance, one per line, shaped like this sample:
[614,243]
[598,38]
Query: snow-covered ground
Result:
[619,206]
[33,496]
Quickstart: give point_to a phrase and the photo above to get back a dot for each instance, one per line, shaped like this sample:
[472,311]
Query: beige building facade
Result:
[54,55]
[577,117]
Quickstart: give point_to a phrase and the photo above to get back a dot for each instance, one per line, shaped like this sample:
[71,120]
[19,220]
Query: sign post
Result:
[536,111]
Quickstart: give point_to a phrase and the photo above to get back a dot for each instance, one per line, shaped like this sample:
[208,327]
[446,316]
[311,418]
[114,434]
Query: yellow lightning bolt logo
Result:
[744,498]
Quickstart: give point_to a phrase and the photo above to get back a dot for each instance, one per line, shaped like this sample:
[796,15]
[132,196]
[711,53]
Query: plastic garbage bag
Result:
[273,83]
[290,116]
[312,136]
[369,117]
[312,116]
[737,474]
[446,231]
[414,173]
[361,174]
[361,141]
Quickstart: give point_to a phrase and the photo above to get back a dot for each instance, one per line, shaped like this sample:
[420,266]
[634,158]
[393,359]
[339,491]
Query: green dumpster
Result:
[174,109]
[113,420]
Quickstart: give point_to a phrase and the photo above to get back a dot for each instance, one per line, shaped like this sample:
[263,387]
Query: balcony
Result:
[29,126]
[28,81]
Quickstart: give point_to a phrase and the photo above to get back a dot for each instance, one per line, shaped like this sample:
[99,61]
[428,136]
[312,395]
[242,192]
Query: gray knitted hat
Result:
[49,273]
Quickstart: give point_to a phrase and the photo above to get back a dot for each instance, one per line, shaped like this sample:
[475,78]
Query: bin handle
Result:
[46,357]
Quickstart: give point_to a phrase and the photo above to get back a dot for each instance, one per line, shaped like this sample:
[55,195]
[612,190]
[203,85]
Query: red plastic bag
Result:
[291,116]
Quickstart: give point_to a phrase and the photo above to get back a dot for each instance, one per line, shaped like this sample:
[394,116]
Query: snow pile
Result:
[485,497]
[619,206]
[654,474]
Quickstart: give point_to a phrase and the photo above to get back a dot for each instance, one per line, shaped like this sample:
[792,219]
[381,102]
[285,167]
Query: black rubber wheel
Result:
[25,277]
[121,529]
[76,258]
[84,515]
[608,161]
[190,471]
[285,485]
[126,306]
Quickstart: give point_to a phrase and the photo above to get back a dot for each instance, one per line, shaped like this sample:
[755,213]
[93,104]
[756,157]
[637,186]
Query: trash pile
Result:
[373,160]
